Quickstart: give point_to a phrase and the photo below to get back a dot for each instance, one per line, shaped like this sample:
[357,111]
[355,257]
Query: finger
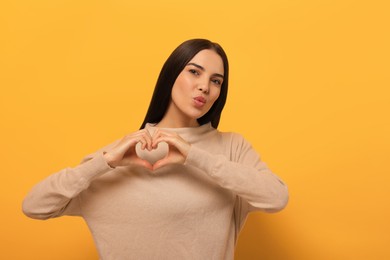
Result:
[170,140]
[128,143]
[143,142]
[148,139]
[133,139]
[156,134]
[163,139]
[145,164]
[161,135]
[142,162]
[176,143]
[160,163]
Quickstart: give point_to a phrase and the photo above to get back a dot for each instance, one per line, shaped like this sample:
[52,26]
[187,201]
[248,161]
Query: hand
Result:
[178,147]
[123,154]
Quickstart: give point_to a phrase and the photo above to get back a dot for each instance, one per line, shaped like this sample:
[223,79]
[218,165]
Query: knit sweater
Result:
[193,210]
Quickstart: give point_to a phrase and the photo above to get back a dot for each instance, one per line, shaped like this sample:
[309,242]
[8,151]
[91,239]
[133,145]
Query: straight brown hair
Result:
[171,70]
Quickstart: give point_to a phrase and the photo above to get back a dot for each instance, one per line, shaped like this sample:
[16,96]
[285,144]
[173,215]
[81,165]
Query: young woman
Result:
[176,189]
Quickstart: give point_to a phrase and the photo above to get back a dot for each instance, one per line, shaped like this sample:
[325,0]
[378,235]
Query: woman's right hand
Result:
[123,154]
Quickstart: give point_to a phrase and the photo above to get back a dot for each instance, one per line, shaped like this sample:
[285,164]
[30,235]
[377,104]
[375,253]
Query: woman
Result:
[176,189]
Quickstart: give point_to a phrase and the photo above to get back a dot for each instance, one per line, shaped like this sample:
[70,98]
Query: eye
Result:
[193,71]
[217,82]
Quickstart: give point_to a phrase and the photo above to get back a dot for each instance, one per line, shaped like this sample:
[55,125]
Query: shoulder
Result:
[236,139]
[235,142]
[240,149]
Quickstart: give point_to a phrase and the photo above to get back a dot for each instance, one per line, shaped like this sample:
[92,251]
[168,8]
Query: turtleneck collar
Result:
[190,134]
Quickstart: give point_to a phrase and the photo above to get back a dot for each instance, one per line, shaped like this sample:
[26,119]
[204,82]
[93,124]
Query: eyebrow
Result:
[203,69]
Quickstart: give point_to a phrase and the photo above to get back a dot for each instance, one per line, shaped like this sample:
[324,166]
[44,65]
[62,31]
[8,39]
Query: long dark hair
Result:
[171,70]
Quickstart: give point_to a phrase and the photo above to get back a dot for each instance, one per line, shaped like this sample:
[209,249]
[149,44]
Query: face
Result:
[196,88]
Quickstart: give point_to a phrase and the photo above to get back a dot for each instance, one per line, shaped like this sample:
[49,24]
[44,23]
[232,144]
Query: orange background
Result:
[309,89]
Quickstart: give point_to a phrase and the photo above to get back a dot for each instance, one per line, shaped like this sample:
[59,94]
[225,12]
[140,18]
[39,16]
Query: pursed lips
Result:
[200,99]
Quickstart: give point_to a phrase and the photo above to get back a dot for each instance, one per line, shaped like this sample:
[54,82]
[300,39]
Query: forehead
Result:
[210,60]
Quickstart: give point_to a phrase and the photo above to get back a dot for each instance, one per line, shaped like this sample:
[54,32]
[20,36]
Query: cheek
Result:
[181,84]
[213,97]
[216,94]
[177,85]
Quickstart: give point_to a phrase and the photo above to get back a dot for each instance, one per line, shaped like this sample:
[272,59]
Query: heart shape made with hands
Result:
[154,155]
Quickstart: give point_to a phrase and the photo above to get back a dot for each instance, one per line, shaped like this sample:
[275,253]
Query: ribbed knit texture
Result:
[193,210]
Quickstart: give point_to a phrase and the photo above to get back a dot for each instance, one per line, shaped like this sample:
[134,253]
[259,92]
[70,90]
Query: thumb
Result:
[143,163]
[136,161]
[160,163]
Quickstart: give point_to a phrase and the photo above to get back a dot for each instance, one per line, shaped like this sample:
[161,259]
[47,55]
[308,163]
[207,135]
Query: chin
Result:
[195,114]
[196,117]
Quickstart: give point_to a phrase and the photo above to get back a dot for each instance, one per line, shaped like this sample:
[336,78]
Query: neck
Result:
[174,118]
[190,134]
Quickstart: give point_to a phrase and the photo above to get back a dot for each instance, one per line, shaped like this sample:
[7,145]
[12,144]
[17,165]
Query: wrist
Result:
[109,160]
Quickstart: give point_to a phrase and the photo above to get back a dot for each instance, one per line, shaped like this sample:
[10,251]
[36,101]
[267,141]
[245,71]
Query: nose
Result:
[203,87]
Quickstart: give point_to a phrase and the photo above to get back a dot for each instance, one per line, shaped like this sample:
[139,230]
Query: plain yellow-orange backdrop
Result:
[309,89]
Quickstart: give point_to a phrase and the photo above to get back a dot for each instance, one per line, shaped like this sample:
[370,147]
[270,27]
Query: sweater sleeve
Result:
[244,174]
[57,195]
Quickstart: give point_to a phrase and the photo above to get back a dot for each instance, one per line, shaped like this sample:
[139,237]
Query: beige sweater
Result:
[190,211]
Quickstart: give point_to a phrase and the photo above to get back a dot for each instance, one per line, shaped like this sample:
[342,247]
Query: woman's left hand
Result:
[178,147]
